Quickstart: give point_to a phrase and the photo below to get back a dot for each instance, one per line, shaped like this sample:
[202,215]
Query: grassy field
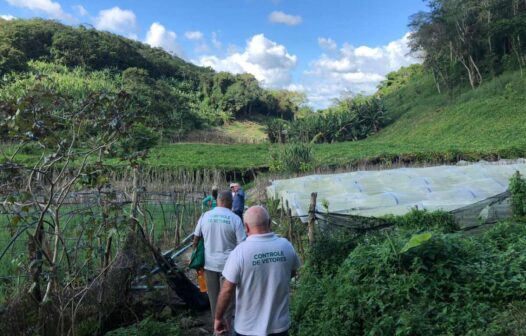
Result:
[251,131]
[486,123]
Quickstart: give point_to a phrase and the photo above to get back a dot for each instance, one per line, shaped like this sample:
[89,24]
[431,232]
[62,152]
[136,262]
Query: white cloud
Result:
[194,35]
[280,17]
[198,38]
[81,10]
[201,48]
[215,40]
[327,43]
[366,52]
[267,60]
[159,36]
[352,69]
[52,9]
[116,20]
[7,17]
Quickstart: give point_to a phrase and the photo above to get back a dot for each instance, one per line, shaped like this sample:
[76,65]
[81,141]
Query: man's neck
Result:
[258,232]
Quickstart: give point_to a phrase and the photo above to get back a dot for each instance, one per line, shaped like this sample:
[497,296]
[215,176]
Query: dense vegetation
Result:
[422,277]
[470,40]
[403,283]
[170,95]
[349,120]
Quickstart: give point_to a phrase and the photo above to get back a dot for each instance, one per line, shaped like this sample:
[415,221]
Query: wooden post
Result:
[288,214]
[134,213]
[312,217]
[290,223]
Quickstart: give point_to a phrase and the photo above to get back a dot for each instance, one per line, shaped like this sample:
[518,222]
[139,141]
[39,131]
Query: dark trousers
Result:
[285,333]
[239,214]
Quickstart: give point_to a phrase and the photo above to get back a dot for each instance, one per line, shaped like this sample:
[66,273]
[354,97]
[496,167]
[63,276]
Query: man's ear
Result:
[247,228]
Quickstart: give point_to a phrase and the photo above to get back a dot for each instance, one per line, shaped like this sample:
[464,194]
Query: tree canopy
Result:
[470,40]
[171,95]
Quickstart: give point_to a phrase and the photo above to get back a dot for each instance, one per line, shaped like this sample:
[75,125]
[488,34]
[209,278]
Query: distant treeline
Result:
[470,41]
[169,94]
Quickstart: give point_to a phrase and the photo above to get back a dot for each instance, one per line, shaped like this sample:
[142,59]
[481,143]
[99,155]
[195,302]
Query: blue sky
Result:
[324,48]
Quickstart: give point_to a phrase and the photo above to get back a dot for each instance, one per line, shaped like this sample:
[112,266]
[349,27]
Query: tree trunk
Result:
[470,74]
[135,199]
[479,75]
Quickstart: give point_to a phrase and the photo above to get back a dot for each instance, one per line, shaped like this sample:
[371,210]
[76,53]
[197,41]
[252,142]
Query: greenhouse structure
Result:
[474,193]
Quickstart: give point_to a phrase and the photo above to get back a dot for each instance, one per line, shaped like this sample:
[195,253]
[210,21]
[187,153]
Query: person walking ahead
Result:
[221,230]
[210,201]
[238,204]
[259,271]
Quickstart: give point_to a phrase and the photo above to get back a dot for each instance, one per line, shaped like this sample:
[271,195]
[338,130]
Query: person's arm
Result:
[240,232]
[196,241]
[225,296]
[197,233]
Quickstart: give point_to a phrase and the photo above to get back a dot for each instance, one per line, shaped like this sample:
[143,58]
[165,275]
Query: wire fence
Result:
[86,220]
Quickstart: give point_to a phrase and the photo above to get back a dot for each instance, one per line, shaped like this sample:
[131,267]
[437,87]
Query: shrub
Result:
[445,284]
[517,189]
[277,130]
[148,327]
[330,250]
[292,158]
[416,220]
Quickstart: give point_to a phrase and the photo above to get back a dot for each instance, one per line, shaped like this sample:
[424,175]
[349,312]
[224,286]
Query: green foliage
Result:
[462,124]
[470,41]
[170,94]
[292,158]
[137,142]
[445,284]
[277,130]
[148,327]
[417,220]
[517,189]
[349,120]
[397,79]
[329,251]
[11,59]
[416,241]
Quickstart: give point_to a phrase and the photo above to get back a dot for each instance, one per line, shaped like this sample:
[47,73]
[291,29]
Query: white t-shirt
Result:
[261,267]
[222,230]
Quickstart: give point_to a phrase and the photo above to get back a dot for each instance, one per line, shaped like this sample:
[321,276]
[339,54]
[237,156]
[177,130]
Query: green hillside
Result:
[491,116]
[176,98]
[165,92]
[486,123]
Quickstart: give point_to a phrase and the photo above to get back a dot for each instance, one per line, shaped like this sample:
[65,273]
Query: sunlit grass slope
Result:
[490,118]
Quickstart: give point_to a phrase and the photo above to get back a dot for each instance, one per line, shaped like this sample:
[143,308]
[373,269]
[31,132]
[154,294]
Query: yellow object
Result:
[201,280]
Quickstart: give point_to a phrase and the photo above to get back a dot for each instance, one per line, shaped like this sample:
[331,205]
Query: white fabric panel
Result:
[397,191]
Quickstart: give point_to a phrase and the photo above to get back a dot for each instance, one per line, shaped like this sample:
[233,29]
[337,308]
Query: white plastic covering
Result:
[397,191]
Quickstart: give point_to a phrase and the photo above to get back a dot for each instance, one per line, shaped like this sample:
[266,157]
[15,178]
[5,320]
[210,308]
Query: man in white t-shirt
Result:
[221,230]
[259,271]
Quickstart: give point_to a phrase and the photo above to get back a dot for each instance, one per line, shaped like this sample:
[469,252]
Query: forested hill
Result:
[170,94]
[50,41]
